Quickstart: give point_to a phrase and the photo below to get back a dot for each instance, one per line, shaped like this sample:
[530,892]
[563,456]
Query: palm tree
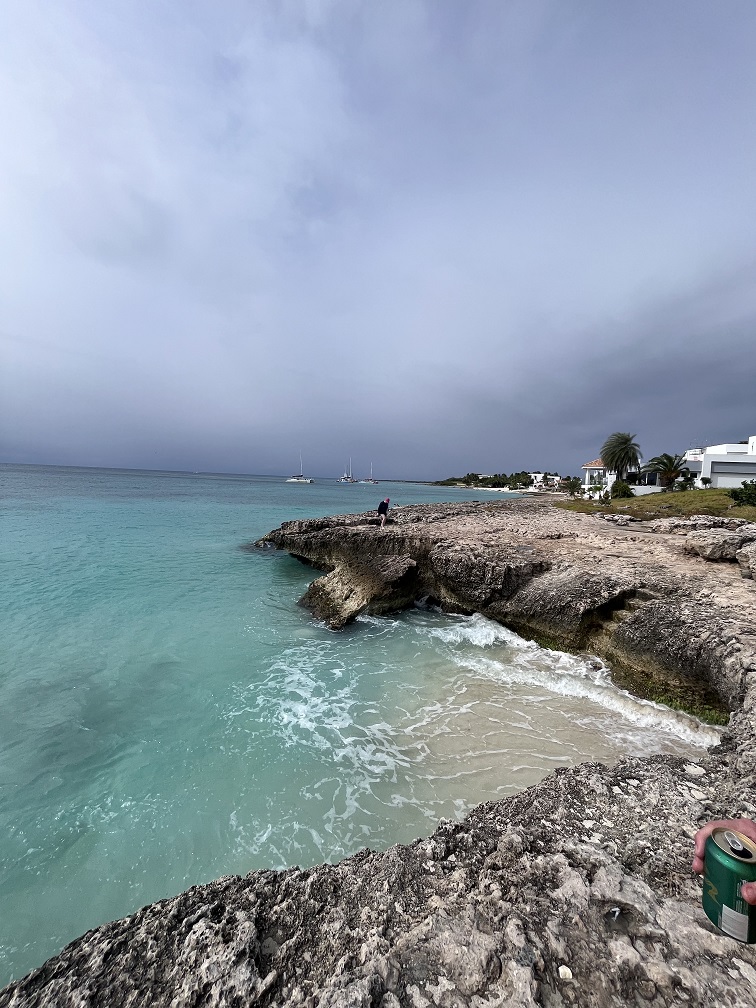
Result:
[573,485]
[620,453]
[668,468]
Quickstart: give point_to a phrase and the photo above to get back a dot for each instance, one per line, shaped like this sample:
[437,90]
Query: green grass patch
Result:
[676,504]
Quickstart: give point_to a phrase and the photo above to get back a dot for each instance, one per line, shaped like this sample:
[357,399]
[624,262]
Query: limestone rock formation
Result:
[633,596]
[577,891]
[746,557]
[694,523]
[717,544]
[616,519]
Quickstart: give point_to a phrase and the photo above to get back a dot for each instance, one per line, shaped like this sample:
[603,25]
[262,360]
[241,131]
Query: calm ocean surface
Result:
[168,714]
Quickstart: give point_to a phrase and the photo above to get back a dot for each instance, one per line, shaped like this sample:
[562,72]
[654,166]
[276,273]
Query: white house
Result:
[726,465]
[597,475]
[542,480]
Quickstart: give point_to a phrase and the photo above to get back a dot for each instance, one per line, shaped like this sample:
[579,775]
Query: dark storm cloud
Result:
[679,373]
[437,237]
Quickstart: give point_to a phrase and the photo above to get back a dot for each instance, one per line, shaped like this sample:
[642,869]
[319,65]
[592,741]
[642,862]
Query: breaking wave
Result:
[524,663]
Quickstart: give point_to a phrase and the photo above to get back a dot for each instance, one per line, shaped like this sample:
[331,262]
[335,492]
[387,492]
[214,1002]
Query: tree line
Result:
[621,454]
[515,481]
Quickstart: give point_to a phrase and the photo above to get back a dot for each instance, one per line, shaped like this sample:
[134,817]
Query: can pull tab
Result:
[736,846]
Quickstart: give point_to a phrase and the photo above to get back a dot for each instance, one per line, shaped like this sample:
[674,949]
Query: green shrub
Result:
[621,489]
[746,494]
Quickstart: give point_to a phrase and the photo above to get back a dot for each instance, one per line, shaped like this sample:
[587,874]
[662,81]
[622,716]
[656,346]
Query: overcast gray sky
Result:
[434,235]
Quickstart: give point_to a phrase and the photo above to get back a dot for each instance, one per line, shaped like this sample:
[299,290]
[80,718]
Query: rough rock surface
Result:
[617,519]
[577,891]
[746,557]
[717,544]
[694,523]
[635,597]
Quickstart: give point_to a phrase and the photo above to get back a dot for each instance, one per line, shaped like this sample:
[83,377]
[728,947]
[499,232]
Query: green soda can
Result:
[729,861]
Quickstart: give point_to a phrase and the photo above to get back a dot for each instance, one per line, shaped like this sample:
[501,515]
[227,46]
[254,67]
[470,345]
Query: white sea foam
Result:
[418,716]
[478,631]
[524,663]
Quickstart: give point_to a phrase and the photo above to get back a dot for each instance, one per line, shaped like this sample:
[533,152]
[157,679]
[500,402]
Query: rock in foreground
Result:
[575,892]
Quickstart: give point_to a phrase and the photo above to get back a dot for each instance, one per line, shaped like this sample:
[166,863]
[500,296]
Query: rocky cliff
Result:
[639,594]
[575,892]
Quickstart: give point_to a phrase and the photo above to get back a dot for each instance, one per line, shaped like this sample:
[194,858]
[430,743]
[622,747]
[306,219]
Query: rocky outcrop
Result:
[746,557]
[567,579]
[717,544]
[386,584]
[577,891]
[616,519]
[694,523]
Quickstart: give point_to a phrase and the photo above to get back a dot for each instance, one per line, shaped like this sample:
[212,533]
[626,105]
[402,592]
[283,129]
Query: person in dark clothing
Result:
[383,510]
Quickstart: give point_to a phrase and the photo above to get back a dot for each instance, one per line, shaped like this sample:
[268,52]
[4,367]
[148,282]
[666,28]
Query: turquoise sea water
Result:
[168,714]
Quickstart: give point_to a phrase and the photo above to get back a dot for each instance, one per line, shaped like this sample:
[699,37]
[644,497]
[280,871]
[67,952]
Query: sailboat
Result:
[371,480]
[301,478]
[347,477]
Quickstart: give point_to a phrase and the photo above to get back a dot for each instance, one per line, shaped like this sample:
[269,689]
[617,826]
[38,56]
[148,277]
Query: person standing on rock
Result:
[383,510]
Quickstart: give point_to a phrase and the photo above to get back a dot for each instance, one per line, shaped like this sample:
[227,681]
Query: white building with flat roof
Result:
[726,465]
[541,479]
[598,476]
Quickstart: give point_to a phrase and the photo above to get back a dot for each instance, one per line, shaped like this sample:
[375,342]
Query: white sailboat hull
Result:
[347,477]
[300,478]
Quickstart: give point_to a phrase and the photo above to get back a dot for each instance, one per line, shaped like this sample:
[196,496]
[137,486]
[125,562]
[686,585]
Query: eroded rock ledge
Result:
[643,597]
[574,892]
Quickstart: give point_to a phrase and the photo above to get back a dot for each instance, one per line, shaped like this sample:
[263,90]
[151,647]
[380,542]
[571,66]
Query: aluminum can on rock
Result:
[729,861]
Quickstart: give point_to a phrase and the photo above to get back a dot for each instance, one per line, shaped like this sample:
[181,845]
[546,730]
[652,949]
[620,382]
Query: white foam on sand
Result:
[369,737]
[524,663]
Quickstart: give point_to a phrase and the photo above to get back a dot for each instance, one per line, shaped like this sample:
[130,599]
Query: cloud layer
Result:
[437,237]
